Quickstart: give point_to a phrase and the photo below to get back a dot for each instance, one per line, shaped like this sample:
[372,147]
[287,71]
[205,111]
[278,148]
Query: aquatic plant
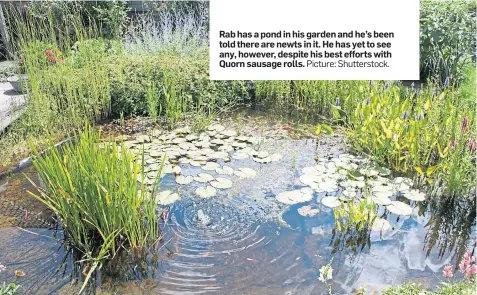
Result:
[92,187]
[10,288]
[326,274]
[353,224]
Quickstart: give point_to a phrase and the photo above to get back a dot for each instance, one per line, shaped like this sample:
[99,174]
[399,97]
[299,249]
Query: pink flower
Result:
[448,271]
[49,52]
[465,123]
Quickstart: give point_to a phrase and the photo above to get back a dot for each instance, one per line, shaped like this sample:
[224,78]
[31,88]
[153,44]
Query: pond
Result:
[266,229]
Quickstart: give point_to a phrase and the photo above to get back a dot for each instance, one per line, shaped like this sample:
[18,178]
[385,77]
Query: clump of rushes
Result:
[93,189]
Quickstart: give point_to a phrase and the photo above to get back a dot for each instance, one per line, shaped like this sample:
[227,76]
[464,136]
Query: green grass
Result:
[93,189]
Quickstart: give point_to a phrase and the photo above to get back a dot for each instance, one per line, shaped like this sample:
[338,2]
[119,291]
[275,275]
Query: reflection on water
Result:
[243,244]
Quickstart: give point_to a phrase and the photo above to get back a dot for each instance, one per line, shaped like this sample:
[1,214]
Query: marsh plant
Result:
[353,223]
[326,275]
[93,189]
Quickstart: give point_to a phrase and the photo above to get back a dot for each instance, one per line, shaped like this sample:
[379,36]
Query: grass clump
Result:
[92,187]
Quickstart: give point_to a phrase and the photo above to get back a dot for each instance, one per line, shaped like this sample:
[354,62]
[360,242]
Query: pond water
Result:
[244,240]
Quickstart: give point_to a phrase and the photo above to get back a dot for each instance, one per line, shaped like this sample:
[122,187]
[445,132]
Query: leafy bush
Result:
[448,39]
[92,187]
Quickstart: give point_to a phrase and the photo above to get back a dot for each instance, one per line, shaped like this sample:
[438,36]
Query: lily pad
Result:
[240,156]
[225,170]
[210,166]
[166,197]
[328,186]
[380,224]
[203,177]
[229,133]
[245,173]
[381,198]
[415,195]
[216,127]
[331,202]
[183,180]
[399,208]
[195,163]
[222,183]
[309,179]
[308,211]
[293,197]
[262,160]
[206,192]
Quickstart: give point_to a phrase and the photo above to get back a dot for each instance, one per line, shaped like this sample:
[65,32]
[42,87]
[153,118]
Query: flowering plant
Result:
[54,57]
[467,266]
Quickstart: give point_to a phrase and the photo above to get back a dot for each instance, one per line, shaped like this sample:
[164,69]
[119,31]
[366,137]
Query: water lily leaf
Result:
[308,211]
[191,137]
[331,202]
[380,224]
[229,133]
[307,190]
[210,166]
[293,197]
[309,179]
[245,173]
[222,183]
[195,163]
[225,170]
[183,180]
[203,177]
[166,197]
[240,156]
[399,208]
[328,186]
[382,198]
[262,160]
[206,192]
[415,195]
[216,127]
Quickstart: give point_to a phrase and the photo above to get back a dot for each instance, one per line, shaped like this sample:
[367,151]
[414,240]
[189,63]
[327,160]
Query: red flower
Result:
[52,58]
[49,52]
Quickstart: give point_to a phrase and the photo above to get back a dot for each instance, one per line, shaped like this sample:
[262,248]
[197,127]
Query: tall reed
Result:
[93,189]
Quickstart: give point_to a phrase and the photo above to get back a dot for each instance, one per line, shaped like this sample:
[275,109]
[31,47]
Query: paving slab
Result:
[11,105]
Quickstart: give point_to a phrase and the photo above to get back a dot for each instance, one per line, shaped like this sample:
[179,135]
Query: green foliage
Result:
[353,220]
[93,189]
[456,288]
[111,16]
[448,32]
[9,289]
